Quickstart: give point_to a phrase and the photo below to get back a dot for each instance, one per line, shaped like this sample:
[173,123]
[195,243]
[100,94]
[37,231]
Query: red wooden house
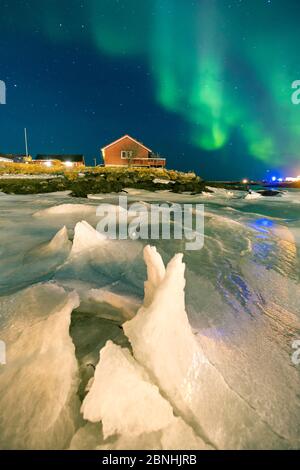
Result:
[127,151]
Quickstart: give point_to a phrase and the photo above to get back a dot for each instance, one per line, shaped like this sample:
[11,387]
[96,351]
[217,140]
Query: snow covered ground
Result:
[115,344]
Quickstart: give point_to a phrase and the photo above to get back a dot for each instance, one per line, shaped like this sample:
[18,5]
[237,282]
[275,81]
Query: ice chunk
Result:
[38,404]
[58,247]
[134,415]
[162,341]
[180,436]
[88,437]
[86,237]
[253,195]
[123,398]
[155,273]
[60,240]
[115,265]
[67,209]
[177,436]
[108,304]
[222,192]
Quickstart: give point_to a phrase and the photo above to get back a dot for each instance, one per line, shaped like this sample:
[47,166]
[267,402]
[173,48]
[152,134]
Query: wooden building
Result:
[67,160]
[127,151]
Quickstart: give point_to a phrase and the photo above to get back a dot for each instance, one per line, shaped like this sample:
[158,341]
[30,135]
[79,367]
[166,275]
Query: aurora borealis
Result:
[206,83]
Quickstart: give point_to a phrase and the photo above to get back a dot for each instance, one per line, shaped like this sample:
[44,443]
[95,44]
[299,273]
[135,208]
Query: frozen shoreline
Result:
[242,304]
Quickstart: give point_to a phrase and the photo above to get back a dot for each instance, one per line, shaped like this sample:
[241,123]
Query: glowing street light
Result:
[48,164]
[245,181]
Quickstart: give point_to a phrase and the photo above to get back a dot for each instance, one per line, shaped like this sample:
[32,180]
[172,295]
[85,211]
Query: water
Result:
[242,298]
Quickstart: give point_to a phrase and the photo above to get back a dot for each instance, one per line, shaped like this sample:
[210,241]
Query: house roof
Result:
[129,137]
[63,158]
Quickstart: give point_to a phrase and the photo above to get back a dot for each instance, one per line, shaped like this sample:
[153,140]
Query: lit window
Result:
[126,154]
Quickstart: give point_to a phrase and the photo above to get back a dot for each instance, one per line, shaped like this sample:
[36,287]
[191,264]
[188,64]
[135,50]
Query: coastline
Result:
[86,180]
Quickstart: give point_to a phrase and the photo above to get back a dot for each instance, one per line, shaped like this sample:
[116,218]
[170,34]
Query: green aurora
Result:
[224,67]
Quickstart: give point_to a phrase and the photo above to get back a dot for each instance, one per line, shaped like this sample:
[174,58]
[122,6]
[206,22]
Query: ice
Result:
[108,304]
[155,273]
[131,408]
[87,437]
[192,384]
[139,407]
[181,436]
[219,352]
[66,209]
[20,269]
[221,192]
[97,262]
[46,253]
[86,238]
[60,241]
[38,403]
[253,195]
[143,196]
[252,351]
[177,436]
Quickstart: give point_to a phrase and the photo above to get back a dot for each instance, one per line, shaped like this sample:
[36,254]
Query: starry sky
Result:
[205,83]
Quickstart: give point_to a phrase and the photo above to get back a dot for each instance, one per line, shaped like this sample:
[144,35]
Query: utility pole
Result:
[26,141]
[95,161]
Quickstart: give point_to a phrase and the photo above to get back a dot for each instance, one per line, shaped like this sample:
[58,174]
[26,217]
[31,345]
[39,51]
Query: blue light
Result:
[262,225]
[274,178]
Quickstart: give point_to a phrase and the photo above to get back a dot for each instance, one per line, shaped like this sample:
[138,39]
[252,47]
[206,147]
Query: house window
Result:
[126,154]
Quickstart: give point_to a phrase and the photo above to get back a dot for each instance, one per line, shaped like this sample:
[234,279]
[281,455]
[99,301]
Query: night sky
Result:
[205,83]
